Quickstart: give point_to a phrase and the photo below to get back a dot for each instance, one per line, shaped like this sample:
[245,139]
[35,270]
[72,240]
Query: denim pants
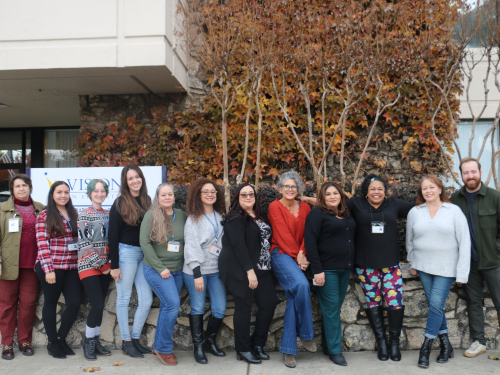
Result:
[298,313]
[168,291]
[330,297]
[436,290]
[132,274]
[216,292]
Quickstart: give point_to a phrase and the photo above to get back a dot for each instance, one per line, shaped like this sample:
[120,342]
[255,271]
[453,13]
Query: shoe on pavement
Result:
[475,349]
[167,359]
[309,345]
[289,360]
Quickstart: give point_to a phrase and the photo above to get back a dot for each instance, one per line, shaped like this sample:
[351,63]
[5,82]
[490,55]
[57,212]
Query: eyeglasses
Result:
[290,187]
[206,192]
[245,196]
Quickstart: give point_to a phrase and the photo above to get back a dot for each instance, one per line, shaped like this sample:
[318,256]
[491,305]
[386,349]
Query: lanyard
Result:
[173,237]
[371,214]
[216,227]
[104,219]
[68,221]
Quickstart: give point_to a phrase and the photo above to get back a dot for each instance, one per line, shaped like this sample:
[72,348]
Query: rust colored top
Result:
[288,230]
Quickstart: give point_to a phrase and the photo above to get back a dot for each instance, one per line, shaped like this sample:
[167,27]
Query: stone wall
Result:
[357,335]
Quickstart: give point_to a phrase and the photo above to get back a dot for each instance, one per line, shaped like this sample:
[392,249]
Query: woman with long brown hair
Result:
[329,241]
[126,255]
[57,266]
[203,243]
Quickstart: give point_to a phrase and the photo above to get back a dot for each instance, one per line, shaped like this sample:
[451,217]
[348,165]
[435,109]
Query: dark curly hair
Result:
[368,180]
[194,205]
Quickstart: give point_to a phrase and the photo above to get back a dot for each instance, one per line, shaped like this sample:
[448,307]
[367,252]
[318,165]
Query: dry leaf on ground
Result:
[91,369]
[495,357]
[118,363]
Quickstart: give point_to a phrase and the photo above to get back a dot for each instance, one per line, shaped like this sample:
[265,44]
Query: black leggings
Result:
[67,282]
[97,289]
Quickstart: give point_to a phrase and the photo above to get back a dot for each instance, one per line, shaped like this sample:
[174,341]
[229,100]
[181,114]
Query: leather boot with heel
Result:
[395,324]
[425,352]
[209,345]
[128,348]
[196,325]
[258,351]
[55,350]
[446,349]
[65,347]
[140,348]
[376,318]
[248,357]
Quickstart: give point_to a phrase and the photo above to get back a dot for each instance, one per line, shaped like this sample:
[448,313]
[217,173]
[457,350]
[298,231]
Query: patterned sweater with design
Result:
[93,249]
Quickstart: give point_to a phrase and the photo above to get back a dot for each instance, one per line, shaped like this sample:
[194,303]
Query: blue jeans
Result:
[168,291]
[216,291]
[436,290]
[132,273]
[298,313]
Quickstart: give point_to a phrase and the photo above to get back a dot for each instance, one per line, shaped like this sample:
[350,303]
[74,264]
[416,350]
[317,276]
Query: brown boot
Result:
[167,359]
[289,360]
[309,345]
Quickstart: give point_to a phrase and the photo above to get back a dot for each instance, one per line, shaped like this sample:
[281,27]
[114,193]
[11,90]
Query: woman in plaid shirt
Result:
[56,266]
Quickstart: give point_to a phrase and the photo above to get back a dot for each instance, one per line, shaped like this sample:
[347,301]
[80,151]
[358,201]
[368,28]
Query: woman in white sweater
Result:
[202,245]
[438,246]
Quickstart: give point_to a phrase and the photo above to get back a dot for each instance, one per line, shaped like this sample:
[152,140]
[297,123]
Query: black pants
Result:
[474,292]
[67,282]
[97,288]
[266,299]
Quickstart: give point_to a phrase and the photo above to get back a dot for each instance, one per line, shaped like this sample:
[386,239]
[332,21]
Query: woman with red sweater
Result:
[287,217]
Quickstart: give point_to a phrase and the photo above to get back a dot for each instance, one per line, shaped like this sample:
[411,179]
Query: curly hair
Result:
[194,205]
[292,175]
[368,180]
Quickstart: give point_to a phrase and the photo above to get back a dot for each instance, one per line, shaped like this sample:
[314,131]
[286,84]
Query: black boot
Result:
[128,348]
[196,325]
[258,351]
[446,349]
[99,349]
[209,344]
[376,318]
[66,349]
[248,357]
[140,348]
[338,359]
[55,350]
[89,349]
[425,352]
[395,325]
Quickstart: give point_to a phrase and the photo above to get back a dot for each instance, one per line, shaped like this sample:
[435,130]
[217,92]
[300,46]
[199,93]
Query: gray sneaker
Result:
[475,349]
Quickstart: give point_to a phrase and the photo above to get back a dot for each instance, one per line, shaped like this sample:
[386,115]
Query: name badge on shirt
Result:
[215,250]
[14,225]
[378,227]
[173,246]
[73,246]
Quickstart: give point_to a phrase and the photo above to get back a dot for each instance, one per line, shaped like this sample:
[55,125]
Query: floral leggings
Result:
[377,282]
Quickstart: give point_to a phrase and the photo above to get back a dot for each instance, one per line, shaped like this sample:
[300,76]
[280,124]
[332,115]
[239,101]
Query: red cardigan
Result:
[288,230]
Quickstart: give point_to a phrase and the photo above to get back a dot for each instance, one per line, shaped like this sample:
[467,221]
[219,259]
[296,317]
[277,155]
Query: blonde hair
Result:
[160,225]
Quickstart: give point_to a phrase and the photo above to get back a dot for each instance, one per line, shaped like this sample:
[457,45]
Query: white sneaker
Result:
[475,349]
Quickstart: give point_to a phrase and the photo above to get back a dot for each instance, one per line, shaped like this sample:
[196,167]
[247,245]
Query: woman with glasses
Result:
[287,217]
[203,244]
[245,268]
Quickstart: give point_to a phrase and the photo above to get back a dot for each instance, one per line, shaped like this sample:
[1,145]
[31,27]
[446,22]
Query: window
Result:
[57,148]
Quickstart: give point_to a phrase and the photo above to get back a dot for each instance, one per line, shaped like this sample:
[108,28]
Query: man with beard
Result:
[481,206]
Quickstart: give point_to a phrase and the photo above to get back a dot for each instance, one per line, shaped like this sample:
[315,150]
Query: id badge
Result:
[215,250]
[173,246]
[314,282]
[73,246]
[378,227]
[14,225]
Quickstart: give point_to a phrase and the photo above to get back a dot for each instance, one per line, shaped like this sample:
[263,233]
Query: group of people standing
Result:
[158,248]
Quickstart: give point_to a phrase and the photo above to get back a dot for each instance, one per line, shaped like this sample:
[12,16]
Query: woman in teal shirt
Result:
[162,240]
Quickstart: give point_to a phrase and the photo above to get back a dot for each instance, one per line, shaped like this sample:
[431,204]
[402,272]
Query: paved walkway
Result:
[307,364]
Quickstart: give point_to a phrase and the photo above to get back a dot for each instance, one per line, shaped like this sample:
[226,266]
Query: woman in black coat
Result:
[245,269]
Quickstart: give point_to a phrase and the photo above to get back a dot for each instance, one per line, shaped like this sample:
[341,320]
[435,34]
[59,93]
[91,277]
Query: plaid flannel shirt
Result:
[53,252]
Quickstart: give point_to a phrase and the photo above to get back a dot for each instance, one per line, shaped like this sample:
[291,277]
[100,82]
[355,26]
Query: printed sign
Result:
[78,178]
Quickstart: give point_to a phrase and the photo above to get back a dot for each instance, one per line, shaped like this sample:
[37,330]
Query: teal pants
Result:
[331,296]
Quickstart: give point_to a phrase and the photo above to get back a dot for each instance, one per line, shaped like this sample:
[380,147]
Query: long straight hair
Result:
[160,225]
[127,206]
[341,210]
[235,210]
[54,222]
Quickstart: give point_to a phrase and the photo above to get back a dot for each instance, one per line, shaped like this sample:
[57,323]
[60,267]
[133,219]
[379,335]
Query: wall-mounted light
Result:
[3,105]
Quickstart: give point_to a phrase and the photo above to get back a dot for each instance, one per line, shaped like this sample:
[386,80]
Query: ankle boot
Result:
[89,349]
[140,348]
[425,352]
[128,348]
[248,357]
[395,325]
[65,347]
[99,349]
[446,348]
[54,349]
[376,318]
[196,325]
[209,344]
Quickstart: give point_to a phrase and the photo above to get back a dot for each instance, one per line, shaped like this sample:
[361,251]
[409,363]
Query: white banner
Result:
[78,178]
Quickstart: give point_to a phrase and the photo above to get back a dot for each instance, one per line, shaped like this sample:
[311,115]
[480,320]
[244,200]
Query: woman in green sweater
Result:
[162,240]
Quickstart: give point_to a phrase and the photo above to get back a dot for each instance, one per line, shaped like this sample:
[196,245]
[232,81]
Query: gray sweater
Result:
[439,246]
[199,236]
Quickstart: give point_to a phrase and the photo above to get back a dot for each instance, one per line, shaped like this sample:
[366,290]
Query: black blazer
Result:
[241,246]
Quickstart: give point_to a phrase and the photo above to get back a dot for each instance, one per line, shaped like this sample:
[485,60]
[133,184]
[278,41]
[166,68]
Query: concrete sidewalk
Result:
[360,363]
